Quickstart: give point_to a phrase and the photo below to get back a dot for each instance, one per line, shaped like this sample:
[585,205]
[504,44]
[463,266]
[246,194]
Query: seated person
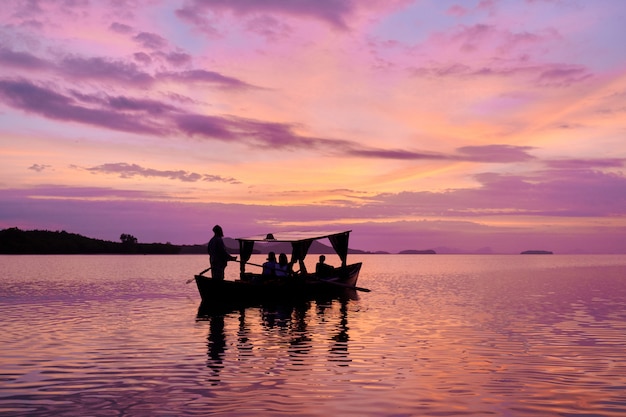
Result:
[284,267]
[270,267]
[322,269]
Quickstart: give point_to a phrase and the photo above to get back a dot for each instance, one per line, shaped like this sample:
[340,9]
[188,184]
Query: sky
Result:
[488,125]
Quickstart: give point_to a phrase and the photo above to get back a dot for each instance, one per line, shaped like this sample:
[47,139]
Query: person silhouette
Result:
[322,269]
[284,267]
[218,255]
[270,266]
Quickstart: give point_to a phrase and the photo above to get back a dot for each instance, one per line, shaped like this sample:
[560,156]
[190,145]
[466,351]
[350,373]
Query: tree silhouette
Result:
[128,239]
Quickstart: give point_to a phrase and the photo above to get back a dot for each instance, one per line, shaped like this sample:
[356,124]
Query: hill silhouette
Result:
[16,241]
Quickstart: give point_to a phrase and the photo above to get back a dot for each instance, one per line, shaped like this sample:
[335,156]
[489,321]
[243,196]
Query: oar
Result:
[340,284]
[249,263]
[190,280]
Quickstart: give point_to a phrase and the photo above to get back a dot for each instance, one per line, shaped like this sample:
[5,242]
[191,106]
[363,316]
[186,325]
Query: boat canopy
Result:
[300,244]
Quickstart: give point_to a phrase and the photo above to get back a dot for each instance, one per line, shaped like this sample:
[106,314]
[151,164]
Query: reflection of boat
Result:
[253,288]
[275,333]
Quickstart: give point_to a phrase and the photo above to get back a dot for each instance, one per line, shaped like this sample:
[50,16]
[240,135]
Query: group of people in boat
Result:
[280,268]
[284,268]
[219,258]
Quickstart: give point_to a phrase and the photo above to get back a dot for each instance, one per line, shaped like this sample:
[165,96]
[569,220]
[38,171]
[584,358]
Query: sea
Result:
[437,335]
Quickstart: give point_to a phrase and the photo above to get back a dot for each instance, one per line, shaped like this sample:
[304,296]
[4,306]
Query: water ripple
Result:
[437,336]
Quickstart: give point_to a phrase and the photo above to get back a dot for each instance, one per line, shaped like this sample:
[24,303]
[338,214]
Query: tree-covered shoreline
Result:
[45,242]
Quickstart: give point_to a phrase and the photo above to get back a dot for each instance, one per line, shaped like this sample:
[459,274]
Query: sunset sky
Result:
[416,124]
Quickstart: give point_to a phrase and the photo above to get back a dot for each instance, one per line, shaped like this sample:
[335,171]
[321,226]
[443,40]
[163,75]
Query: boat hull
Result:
[253,288]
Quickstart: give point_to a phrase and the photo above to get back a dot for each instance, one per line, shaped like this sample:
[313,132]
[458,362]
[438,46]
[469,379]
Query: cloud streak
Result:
[161,119]
[125,170]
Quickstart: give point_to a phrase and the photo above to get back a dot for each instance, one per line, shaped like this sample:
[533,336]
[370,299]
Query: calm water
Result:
[438,335]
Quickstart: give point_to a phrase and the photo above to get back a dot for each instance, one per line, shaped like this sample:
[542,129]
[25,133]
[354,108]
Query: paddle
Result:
[190,280]
[340,284]
[249,263]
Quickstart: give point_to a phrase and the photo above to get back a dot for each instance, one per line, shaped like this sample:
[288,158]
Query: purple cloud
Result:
[585,164]
[153,107]
[400,154]
[205,126]
[67,192]
[120,28]
[178,59]
[495,153]
[269,27]
[103,69]
[39,167]
[570,193]
[203,76]
[142,57]
[125,170]
[161,119]
[505,42]
[333,12]
[254,133]
[544,75]
[120,72]
[566,193]
[563,75]
[150,40]
[31,98]
[21,60]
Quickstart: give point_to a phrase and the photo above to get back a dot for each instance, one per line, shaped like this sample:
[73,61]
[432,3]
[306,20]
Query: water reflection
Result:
[216,343]
[284,333]
[339,349]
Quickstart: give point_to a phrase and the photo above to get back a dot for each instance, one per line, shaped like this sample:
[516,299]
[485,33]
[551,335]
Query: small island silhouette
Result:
[418,252]
[537,252]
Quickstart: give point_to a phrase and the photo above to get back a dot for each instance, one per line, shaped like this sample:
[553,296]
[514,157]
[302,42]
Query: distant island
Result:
[417,252]
[537,252]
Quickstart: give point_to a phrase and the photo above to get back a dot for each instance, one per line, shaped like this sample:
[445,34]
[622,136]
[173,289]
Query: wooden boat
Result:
[253,288]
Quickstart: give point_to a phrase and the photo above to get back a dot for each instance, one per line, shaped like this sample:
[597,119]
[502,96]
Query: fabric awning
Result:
[300,243]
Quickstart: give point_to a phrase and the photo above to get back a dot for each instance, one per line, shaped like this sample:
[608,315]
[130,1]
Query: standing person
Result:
[218,255]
